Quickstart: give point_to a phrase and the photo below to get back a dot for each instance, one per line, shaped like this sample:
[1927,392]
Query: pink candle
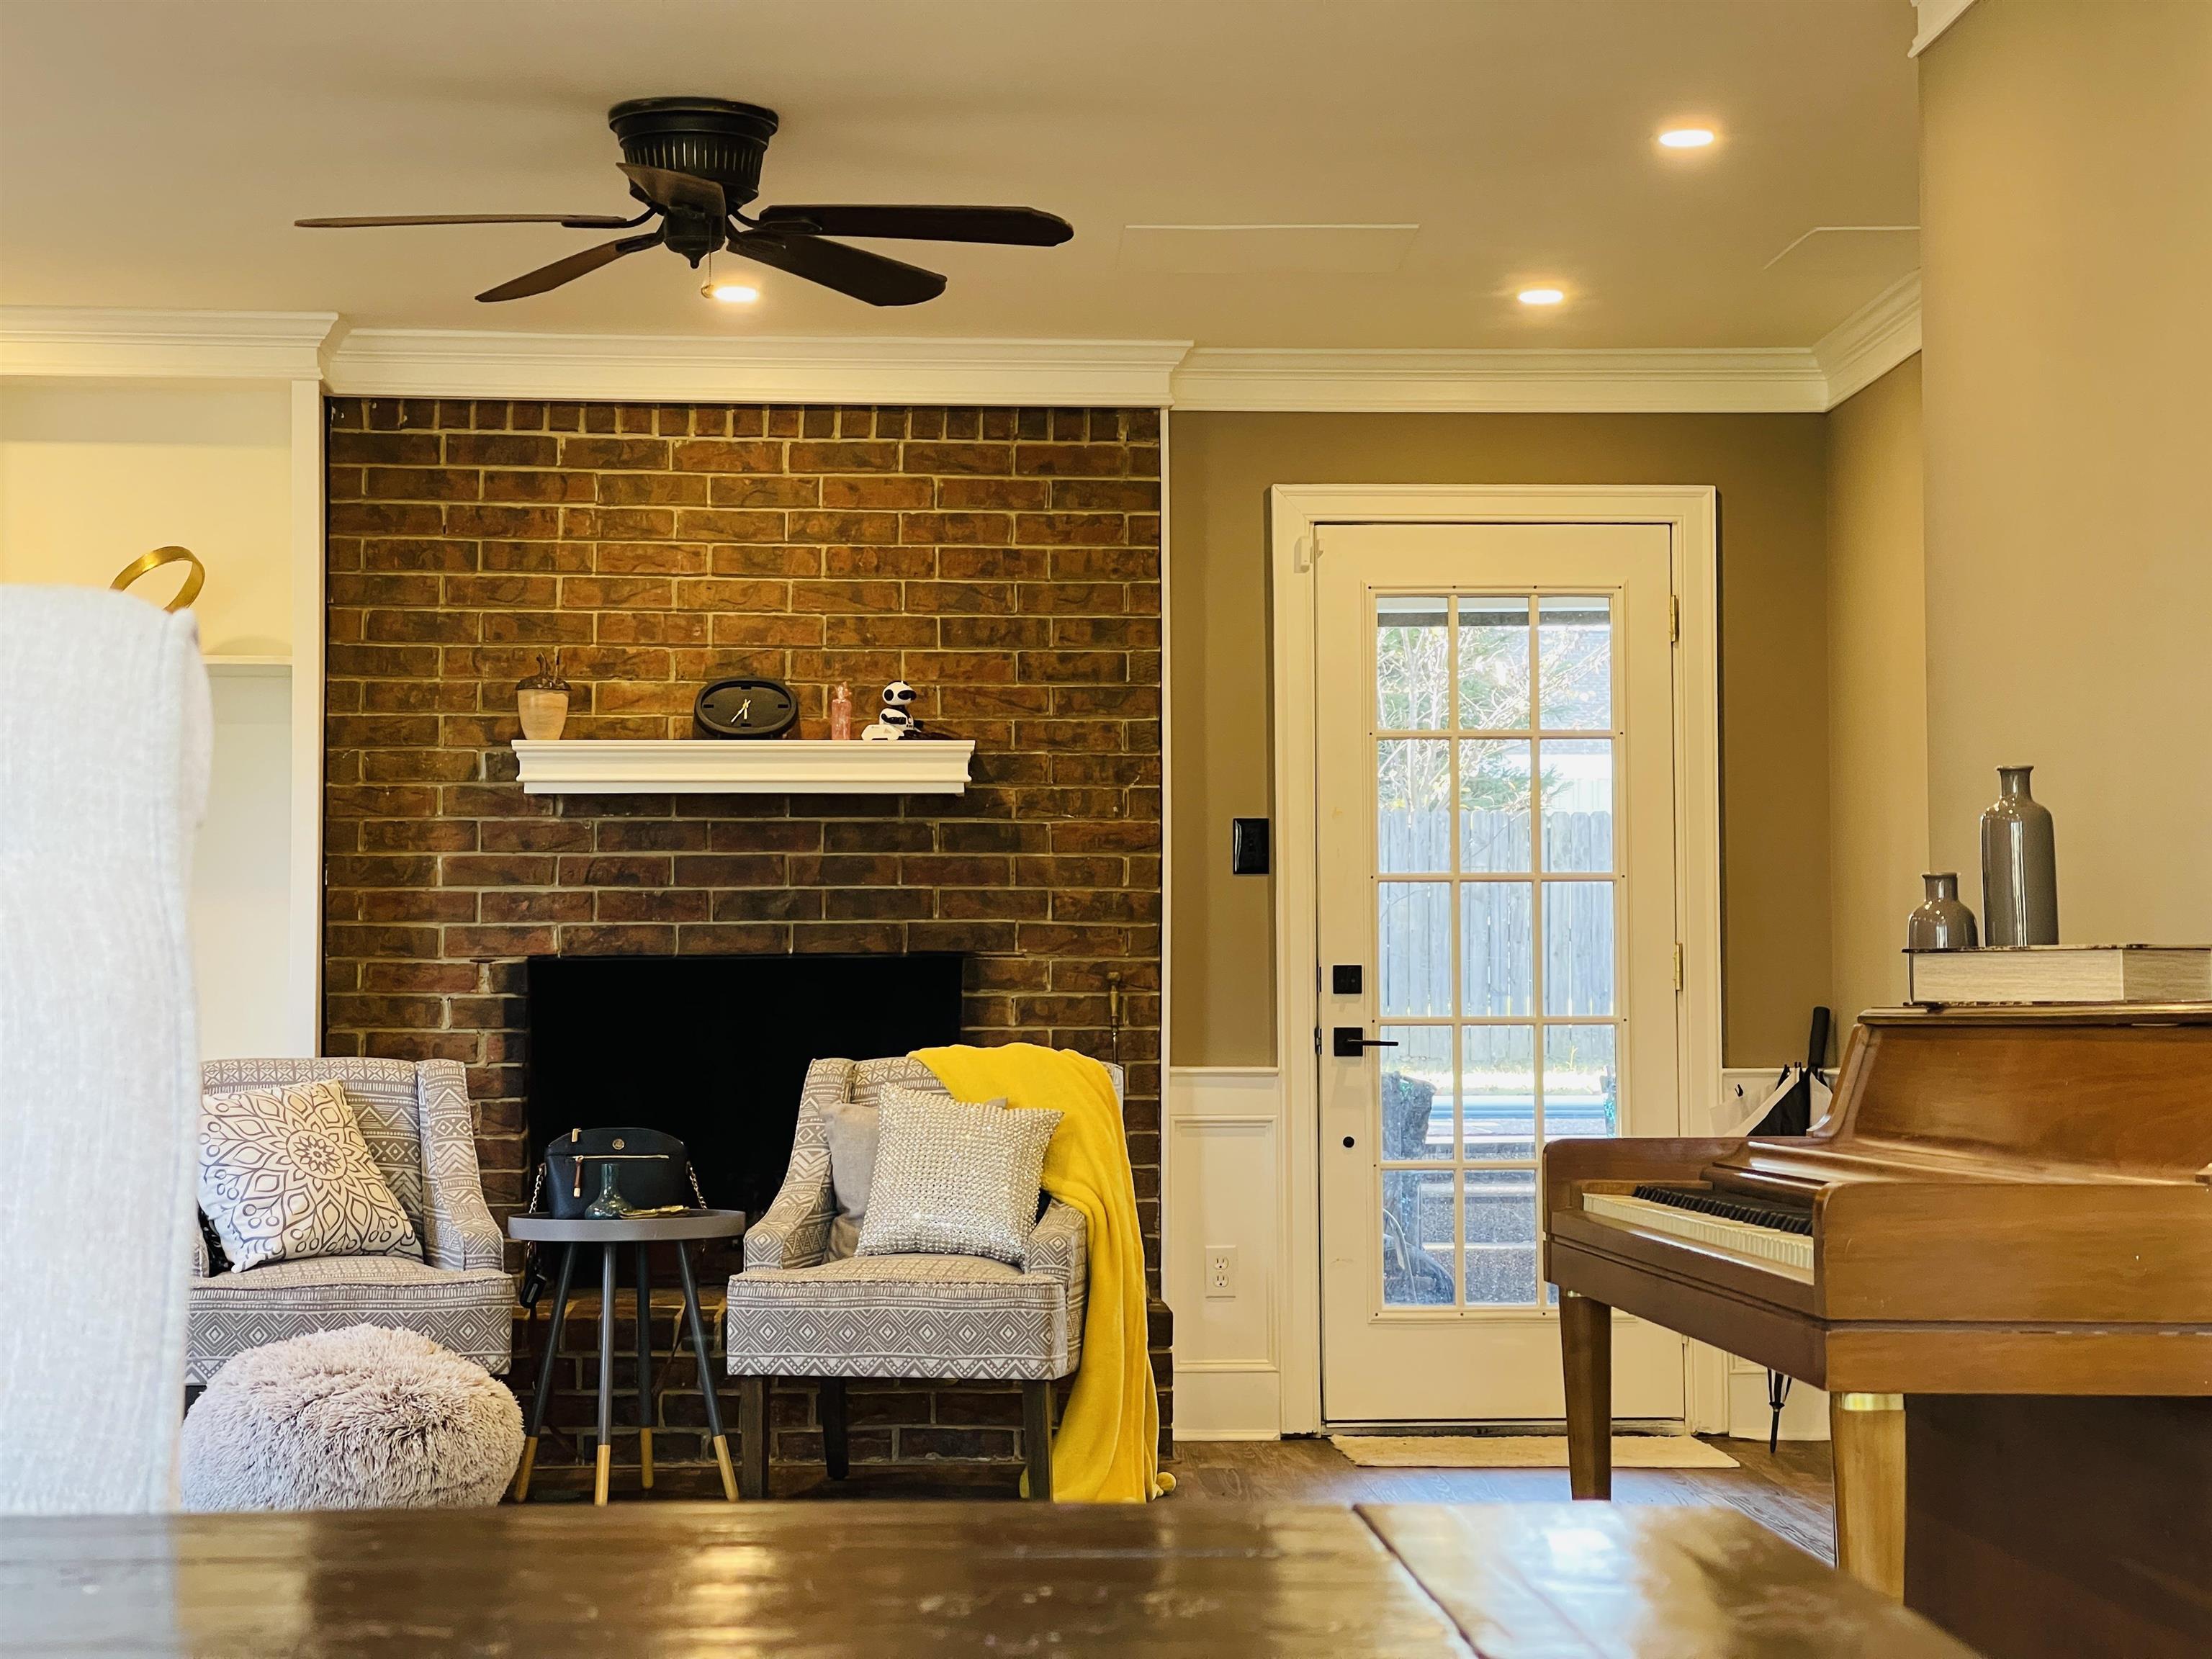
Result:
[841,713]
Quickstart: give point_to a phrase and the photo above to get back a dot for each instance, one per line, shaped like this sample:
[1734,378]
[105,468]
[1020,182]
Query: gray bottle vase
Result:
[2019,866]
[1942,923]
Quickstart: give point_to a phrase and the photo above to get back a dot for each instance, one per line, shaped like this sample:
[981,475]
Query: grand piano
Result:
[1995,1252]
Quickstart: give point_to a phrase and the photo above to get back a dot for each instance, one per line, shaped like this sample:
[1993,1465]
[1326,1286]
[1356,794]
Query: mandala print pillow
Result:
[284,1175]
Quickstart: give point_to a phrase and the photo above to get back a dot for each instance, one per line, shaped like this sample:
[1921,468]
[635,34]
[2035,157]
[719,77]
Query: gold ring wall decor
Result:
[194,580]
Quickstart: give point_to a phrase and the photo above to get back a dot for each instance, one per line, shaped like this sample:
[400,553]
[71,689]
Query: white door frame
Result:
[1297,514]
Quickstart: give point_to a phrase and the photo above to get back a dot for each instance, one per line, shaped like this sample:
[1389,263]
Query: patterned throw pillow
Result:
[284,1175]
[953,1177]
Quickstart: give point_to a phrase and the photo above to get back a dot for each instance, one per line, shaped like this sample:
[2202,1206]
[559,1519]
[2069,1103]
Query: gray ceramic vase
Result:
[2019,866]
[1942,923]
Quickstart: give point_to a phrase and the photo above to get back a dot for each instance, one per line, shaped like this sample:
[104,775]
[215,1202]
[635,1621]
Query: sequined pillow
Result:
[954,1177]
[285,1175]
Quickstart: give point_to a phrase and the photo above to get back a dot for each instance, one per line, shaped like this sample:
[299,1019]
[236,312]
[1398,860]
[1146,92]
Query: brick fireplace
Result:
[1007,561]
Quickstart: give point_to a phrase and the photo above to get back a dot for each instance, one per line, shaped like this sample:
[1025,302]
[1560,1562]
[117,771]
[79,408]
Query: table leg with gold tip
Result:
[1867,1432]
[606,1369]
[546,1364]
[644,1372]
[1586,1355]
[706,1374]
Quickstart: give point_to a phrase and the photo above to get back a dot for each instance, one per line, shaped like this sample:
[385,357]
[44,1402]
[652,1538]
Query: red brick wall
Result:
[1004,561]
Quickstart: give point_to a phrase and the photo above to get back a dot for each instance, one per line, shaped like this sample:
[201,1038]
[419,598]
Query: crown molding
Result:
[1934,17]
[1759,380]
[1870,342]
[72,343]
[650,368]
[45,342]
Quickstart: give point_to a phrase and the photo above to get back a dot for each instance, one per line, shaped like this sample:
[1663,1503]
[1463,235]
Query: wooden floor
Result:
[1786,1493]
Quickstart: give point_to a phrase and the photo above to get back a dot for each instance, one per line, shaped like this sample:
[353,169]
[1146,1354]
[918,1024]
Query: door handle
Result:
[1351,1042]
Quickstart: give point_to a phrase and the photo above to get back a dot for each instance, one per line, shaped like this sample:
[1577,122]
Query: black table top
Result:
[638,1230]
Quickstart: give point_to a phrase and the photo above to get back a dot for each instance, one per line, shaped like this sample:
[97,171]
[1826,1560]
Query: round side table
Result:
[571,1238]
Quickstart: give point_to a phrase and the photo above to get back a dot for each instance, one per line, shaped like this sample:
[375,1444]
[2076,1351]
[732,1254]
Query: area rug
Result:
[1522,1451]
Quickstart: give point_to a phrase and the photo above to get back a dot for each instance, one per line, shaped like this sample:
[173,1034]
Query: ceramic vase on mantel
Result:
[2019,866]
[542,701]
[1942,923]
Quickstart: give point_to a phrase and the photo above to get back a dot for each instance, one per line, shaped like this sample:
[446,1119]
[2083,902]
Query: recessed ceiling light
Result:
[731,294]
[1686,137]
[1541,296]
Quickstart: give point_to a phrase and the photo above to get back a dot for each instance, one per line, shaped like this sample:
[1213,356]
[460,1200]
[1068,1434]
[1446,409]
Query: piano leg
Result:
[1586,1351]
[1867,1435]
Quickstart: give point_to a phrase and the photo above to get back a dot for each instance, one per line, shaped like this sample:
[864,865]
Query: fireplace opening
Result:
[713,1048]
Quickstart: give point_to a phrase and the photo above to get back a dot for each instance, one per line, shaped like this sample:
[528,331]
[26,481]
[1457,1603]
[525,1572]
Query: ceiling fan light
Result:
[730,294]
[1541,296]
[1685,137]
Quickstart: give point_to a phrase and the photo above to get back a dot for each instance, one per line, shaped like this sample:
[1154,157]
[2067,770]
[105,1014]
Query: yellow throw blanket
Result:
[1107,1450]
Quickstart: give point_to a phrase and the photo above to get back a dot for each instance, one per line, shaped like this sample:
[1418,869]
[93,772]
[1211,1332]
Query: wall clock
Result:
[742,707]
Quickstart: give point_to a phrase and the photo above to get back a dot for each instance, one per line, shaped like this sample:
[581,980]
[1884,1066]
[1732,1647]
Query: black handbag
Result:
[650,1170]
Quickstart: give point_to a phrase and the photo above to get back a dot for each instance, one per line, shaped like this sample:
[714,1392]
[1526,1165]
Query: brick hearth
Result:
[1005,561]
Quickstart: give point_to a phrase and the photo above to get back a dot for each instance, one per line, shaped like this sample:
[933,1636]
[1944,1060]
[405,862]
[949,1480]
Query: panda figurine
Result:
[893,721]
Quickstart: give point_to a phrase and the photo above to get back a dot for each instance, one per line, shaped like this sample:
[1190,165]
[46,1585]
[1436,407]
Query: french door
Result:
[1495,817]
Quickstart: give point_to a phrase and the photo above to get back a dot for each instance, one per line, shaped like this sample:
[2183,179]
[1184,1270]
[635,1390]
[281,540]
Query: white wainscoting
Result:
[1225,1190]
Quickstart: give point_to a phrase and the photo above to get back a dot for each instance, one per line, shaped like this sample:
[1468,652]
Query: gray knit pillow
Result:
[953,1177]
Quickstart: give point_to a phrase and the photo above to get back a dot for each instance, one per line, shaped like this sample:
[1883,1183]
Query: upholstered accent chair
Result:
[806,1307]
[414,1116]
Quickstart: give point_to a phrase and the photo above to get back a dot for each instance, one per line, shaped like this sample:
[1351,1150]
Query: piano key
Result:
[1787,1252]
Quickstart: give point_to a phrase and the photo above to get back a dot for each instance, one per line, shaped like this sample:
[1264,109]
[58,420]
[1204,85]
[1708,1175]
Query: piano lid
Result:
[2006,1094]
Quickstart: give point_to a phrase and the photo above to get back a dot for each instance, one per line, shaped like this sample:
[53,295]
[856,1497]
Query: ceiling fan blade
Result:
[568,270]
[681,191]
[1018,226]
[850,271]
[573,220]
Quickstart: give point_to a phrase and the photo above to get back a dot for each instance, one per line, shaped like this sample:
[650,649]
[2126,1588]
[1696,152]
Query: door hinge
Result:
[1316,1039]
[1678,967]
[1673,619]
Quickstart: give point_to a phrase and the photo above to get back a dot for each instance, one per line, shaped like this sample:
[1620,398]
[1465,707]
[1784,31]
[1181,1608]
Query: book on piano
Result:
[2060,974]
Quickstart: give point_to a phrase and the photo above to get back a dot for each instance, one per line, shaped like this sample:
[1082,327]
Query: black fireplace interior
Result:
[713,1049]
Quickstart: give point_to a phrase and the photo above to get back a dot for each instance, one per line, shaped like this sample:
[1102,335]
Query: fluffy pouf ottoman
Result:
[362,1419]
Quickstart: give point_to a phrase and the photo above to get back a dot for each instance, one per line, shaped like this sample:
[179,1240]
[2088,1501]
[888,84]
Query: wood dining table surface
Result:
[1502,1580]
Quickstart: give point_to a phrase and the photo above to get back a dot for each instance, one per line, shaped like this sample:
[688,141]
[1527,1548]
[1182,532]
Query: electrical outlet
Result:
[1221,1271]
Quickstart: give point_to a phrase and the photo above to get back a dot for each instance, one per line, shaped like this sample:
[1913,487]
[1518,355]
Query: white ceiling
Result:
[154,155]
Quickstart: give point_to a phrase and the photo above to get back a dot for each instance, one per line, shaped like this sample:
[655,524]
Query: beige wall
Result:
[2067,202]
[93,475]
[1769,472]
[1877,689]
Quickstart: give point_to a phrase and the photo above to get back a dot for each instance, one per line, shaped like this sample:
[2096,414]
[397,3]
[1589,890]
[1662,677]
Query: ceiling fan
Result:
[695,164]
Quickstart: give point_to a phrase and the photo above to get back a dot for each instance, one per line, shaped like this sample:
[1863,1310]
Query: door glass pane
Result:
[1412,657]
[1498,1082]
[1497,948]
[1493,664]
[1416,1238]
[1414,925]
[1417,1093]
[1578,947]
[1577,803]
[1493,804]
[1501,1236]
[1581,1084]
[1574,664]
[1412,805]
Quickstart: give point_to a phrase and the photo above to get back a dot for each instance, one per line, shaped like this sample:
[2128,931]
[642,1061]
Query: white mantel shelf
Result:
[742,766]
